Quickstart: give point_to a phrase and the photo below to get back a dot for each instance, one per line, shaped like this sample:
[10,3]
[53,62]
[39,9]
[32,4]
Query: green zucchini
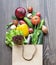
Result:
[28,22]
[35,36]
[40,39]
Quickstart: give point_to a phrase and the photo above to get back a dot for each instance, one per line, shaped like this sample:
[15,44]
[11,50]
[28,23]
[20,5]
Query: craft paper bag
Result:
[17,58]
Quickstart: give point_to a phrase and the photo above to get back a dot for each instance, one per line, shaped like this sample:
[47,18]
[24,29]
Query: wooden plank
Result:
[0,54]
[50,16]
[33,3]
[46,38]
[6,11]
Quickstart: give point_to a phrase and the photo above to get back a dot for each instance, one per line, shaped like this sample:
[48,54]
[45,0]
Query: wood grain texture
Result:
[48,12]
[50,17]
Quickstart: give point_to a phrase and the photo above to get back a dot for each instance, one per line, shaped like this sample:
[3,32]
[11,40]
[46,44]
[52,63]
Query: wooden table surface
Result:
[48,12]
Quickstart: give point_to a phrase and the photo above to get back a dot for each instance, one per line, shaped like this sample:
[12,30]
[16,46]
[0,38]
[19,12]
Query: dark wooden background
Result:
[48,12]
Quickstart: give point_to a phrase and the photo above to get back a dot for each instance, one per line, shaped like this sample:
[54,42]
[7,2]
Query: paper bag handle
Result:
[32,55]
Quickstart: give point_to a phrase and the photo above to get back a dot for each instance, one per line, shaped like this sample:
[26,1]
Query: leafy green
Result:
[9,36]
[35,36]
[14,18]
[40,39]
[37,31]
[33,13]
[41,24]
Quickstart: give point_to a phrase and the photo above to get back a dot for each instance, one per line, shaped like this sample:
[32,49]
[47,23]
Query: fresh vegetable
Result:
[9,36]
[30,30]
[29,15]
[30,9]
[25,41]
[15,22]
[22,22]
[28,39]
[24,29]
[40,39]
[9,25]
[18,39]
[37,32]
[14,18]
[33,13]
[38,14]
[35,36]
[28,21]
[44,29]
[20,12]
[41,24]
[35,20]
[13,27]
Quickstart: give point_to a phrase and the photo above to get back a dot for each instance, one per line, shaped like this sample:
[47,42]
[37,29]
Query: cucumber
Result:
[40,39]
[28,22]
[35,36]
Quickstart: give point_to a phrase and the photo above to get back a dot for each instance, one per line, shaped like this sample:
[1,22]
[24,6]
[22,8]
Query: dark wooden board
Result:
[48,12]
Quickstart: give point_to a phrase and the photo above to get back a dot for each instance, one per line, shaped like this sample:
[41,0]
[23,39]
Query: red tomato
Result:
[35,20]
[30,9]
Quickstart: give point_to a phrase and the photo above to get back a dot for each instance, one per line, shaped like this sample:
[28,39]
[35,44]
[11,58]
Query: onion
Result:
[44,29]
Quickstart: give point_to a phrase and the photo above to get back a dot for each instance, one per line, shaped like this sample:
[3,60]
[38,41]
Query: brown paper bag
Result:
[17,58]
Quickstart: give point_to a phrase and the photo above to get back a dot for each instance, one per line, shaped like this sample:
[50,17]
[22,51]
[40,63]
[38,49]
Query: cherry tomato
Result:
[30,9]
[38,14]
[30,30]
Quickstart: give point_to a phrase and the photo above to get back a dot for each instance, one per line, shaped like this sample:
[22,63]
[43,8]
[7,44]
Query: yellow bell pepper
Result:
[24,29]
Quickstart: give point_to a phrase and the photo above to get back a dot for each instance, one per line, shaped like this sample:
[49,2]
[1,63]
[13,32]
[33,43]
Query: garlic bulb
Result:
[29,15]
[12,27]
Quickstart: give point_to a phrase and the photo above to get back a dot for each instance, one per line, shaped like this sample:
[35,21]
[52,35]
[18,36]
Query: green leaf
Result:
[35,36]
[14,18]
[9,36]
[33,13]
